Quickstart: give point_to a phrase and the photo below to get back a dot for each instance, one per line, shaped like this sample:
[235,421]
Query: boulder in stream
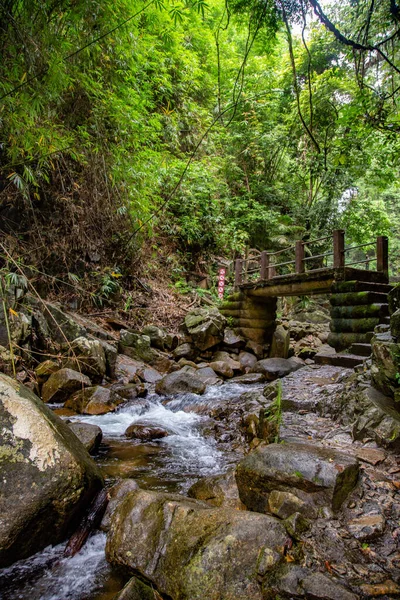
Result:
[180,382]
[272,368]
[191,551]
[61,384]
[145,433]
[47,477]
[94,400]
[89,435]
[88,357]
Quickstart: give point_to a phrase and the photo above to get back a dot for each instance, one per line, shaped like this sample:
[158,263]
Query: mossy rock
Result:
[394,299]
[353,325]
[359,312]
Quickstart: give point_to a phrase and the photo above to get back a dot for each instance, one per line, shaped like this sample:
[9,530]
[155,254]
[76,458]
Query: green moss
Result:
[11,454]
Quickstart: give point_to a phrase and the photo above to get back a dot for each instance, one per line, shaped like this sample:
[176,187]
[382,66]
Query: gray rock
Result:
[149,375]
[395,325]
[321,587]
[272,368]
[367,527]
[314,474]
[45,369]
[247,360]
[88,357]
[284,504]
[135,346]
[217,490]
[280,343]
[180,382]
[222,368]
[232,339]
[63,383]
[191,551]
[47,475]
[209,376]
[157,336]
[206,327]
[185,350]
[126,369]
[89,435]
[248,378]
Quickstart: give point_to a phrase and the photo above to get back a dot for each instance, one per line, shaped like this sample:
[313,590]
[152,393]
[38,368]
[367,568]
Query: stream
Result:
[171,464]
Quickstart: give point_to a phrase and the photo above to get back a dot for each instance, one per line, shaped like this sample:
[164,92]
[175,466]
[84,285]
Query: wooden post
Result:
[264,269]
[338,249]
[238,272]
[382,254]
[300,268]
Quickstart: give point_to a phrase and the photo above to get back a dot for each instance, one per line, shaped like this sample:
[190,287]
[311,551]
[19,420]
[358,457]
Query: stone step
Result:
[360,286]
[385,321]
[339,360]
[360,349]
[358,298]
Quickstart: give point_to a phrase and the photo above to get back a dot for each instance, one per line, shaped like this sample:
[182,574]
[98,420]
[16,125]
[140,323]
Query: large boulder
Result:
[88,357]
[385,363]
[206,327]
[180,382]
[47,477]
[62,384]
[94,400]
[318,476]
[272,368]
[157,336]
[191,551]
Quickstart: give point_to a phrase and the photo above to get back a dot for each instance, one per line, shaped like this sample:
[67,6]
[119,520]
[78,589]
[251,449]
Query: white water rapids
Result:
[172,463]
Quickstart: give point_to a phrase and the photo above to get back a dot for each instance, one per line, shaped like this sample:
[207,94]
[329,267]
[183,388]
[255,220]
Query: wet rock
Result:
[222,368]
[136,589]
[47,475]
[249,378]
[219,490]
[89,435]
[157,336]
[280,343]
[372,456]
[206,327]
[247,360]
[149,375]
[255,348]
[180,382]
[208,375]
[284,504]
[87,356]
[225,357]
[45,369]
[94,400]
[129,391]
[272,368]
[185,350]
[314,474]
[61,384]
[145,433]
[116,493]
[207,553]
[135,346]
[233,340]
[126,369]
[367,527]
[321,587]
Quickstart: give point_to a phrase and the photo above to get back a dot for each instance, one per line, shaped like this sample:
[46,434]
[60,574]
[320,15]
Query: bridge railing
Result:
[297,259]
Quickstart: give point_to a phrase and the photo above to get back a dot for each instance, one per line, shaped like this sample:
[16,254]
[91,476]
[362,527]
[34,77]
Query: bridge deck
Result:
[306,284]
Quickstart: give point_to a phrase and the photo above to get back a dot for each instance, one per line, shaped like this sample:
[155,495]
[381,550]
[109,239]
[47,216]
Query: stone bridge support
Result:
[253,318]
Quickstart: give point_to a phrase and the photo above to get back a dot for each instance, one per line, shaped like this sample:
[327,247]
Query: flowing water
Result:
[171,464]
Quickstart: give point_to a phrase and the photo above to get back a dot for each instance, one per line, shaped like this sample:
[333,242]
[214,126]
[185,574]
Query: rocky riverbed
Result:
[231,474]
[347,553]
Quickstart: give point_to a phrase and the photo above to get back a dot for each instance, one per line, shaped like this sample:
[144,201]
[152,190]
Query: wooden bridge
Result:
[356,277]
